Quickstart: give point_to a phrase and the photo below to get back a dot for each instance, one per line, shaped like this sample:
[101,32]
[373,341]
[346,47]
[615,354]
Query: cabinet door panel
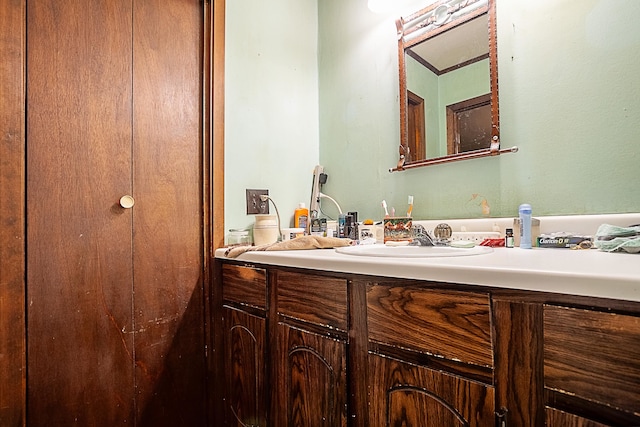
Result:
[593,355]
[311,380]
[244,285]
[557,418]
[313,298]
[455,325]
[244,360]
[413,396]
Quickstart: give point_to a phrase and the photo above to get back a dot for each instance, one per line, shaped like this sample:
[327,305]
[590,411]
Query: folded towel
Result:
[299,243]
[611,238]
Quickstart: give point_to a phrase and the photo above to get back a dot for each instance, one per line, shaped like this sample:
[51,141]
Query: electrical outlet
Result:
[475,236]
[254,204]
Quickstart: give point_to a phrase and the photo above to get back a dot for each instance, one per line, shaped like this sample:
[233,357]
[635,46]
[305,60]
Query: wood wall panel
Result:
[12,214]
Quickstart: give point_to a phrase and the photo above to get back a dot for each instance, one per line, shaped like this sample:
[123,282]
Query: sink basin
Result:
[379,250]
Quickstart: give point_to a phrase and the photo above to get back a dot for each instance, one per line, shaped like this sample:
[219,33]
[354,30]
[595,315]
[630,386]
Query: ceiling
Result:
[459,45]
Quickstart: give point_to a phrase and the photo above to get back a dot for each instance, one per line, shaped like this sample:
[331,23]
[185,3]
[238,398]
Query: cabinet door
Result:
[115,318]
[310,380]
[412,396]
[244,369]
[592,363]
[556,418]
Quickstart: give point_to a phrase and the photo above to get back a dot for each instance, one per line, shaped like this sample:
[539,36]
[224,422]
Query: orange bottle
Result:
[301,217]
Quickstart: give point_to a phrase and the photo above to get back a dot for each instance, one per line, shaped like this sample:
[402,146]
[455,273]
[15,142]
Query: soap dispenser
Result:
[301,217]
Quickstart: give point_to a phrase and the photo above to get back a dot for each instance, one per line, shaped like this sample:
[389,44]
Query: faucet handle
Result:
[443,233]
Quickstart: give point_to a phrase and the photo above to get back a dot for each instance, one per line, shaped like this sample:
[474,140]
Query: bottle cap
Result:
[525,208]
[301,205]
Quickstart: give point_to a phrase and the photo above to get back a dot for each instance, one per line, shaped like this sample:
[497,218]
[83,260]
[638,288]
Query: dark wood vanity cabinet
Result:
[283,362]
[308,348]
[405,394]
[245,382]
[310,382]
[242,338]
[430,356]
[591,367]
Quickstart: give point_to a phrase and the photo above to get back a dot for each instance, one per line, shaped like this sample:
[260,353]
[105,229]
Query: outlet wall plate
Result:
[254,204]
[585,225]
[475,236]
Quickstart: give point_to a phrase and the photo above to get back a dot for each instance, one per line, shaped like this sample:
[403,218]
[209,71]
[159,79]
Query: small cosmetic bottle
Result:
[341,224]
[508,239]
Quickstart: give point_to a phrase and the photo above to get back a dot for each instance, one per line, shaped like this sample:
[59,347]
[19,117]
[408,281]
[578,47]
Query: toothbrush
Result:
[410,206]
[386,212]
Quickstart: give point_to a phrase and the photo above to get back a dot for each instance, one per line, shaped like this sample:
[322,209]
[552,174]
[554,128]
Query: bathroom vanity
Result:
[510,338]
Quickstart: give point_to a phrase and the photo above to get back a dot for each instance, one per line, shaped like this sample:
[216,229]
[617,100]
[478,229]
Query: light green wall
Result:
[271,104]
[459,85]
[424,83]
[440,91]
[569,99]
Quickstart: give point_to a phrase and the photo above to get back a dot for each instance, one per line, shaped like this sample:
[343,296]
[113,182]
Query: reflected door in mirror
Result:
[417,137]
[469,125]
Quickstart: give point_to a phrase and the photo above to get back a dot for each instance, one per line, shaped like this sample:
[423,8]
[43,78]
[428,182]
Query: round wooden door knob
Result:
[127,201]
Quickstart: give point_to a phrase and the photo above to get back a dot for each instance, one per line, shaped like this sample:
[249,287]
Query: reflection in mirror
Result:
[448,83]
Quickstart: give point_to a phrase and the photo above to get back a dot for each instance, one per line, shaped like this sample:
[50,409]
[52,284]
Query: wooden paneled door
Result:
[115,295]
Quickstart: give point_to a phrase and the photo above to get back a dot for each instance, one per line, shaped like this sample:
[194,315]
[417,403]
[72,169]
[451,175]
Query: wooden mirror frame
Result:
[407,39]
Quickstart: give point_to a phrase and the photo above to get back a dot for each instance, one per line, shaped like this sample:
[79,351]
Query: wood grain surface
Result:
[245,360]
[311,383]
[245,286]
[412,396]
[594,355]
[449,324]
[116,296]
[12,214]
[313,298]
[556,418]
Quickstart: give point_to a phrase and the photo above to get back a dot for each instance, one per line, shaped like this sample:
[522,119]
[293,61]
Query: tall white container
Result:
[265,230]
[524,212]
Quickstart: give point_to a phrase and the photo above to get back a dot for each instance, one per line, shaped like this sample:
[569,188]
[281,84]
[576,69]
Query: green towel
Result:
[611,238]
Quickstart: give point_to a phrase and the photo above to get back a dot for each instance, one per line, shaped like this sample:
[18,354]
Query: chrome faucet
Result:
[421,236]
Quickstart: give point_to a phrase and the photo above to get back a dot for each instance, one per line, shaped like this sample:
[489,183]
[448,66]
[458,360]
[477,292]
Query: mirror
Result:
[448,83]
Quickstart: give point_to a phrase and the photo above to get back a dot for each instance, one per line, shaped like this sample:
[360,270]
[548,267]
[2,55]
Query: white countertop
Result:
[578,272]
